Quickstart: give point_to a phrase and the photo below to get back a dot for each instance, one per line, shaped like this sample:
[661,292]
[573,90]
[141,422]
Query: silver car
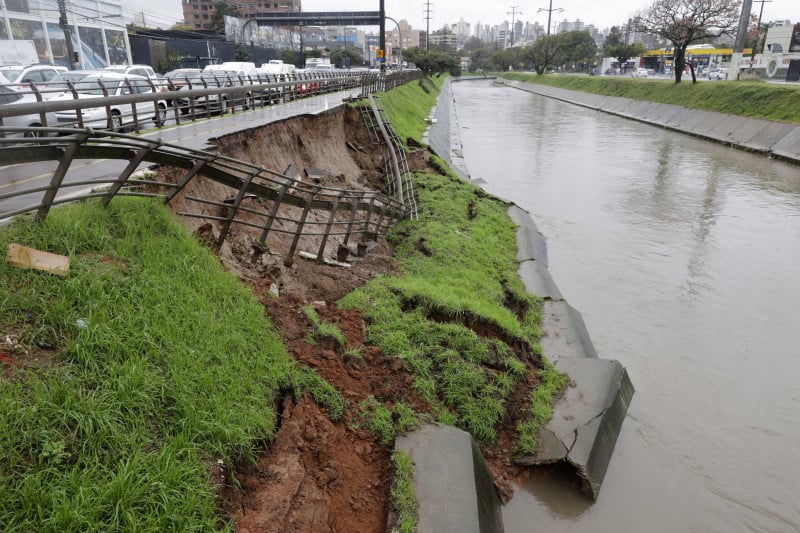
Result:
[120,116]
[10,98]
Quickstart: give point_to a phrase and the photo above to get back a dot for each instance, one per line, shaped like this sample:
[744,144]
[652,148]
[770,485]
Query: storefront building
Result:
[97,28]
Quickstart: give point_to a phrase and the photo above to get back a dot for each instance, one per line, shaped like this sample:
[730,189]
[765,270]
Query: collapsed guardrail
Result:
[323,212]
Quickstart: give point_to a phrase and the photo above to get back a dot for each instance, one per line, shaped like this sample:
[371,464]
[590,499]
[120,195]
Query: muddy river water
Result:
[684,258]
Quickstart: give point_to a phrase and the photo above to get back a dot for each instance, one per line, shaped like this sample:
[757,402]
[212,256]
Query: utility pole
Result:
[738,45]
[513,14]
[427,24]
[382,37]
[549,14]
[758,30]
[64,25]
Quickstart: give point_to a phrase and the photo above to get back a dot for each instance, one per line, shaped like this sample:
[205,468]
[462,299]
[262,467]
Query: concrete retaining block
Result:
[538,281]
[531,244]
[789,146]
[452,482]
[680,118]
[586,421]
[564,333]
[768,136]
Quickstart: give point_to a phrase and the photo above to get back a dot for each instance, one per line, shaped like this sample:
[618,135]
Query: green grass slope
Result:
[754,99]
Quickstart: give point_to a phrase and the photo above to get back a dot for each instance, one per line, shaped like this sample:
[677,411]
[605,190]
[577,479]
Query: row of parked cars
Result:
[21,84]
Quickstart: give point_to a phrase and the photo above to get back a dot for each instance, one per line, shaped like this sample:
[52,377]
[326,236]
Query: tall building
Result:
[198,13]
[97,31]
[461,29]
[566,25]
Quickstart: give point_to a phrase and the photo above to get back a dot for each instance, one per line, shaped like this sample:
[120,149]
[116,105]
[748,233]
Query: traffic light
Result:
[76,58]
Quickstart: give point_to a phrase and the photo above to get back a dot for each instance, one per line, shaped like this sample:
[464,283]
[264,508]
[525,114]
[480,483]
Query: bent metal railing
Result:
[319,212]
[322,214]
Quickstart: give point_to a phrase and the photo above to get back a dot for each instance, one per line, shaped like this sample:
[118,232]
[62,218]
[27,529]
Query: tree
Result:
[577,48]
[221,10]
[683,22]
[472,44]
[623,52]
[347,57]
[543,52]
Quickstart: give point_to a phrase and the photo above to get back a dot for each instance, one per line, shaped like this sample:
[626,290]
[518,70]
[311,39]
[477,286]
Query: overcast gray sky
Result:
[602,14]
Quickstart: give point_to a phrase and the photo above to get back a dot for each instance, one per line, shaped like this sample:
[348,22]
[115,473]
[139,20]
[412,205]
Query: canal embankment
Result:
[586,422]
[769,137]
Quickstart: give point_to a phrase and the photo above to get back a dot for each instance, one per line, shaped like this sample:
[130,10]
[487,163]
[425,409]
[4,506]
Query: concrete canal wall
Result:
[586,422]
[769,137]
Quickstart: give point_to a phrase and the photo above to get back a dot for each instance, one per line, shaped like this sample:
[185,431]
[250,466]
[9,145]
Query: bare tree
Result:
[683,22]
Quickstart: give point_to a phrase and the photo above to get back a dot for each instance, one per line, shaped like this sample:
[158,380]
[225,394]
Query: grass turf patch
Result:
[755,99]
[459,277]
[166,364]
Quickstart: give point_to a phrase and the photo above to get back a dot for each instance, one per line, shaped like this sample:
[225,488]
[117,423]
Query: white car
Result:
[719,74]
[640,73]
[21,76]
[121,115]
[9,98]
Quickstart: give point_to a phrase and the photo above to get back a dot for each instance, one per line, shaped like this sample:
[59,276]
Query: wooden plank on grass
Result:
[30,258]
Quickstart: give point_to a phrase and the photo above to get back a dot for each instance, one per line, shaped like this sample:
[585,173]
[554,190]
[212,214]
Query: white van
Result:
[276,66]
[237,68]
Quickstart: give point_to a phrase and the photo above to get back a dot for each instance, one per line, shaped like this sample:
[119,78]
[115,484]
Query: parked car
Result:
[20,76]
[140,70]
[203,105]
[595,72]
[639,73]
[60,84]
[10,97]
[121,115]
[177,78]
[719,74]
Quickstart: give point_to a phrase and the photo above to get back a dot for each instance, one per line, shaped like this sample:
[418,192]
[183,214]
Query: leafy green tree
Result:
[479,59]
[347,57]
[221,10]
[288,56]
[577,48]
[472,44]
[623,52]
[542,54]
[413,54]
[241,53]
[687,21]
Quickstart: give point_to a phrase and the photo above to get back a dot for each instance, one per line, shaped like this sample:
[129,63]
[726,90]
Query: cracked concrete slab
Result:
[452,482]
[586,421]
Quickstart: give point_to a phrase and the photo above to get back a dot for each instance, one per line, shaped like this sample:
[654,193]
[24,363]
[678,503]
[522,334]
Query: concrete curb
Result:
[587,420]
[772,138]
[452,482]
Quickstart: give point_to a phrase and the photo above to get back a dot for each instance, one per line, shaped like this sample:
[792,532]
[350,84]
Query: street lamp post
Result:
[550,14]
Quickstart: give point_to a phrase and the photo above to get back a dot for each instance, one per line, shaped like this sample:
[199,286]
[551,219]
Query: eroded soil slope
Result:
[318,475]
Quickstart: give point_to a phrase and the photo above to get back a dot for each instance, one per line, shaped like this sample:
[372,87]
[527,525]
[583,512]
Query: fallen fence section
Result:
[346,214]
[401,185]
